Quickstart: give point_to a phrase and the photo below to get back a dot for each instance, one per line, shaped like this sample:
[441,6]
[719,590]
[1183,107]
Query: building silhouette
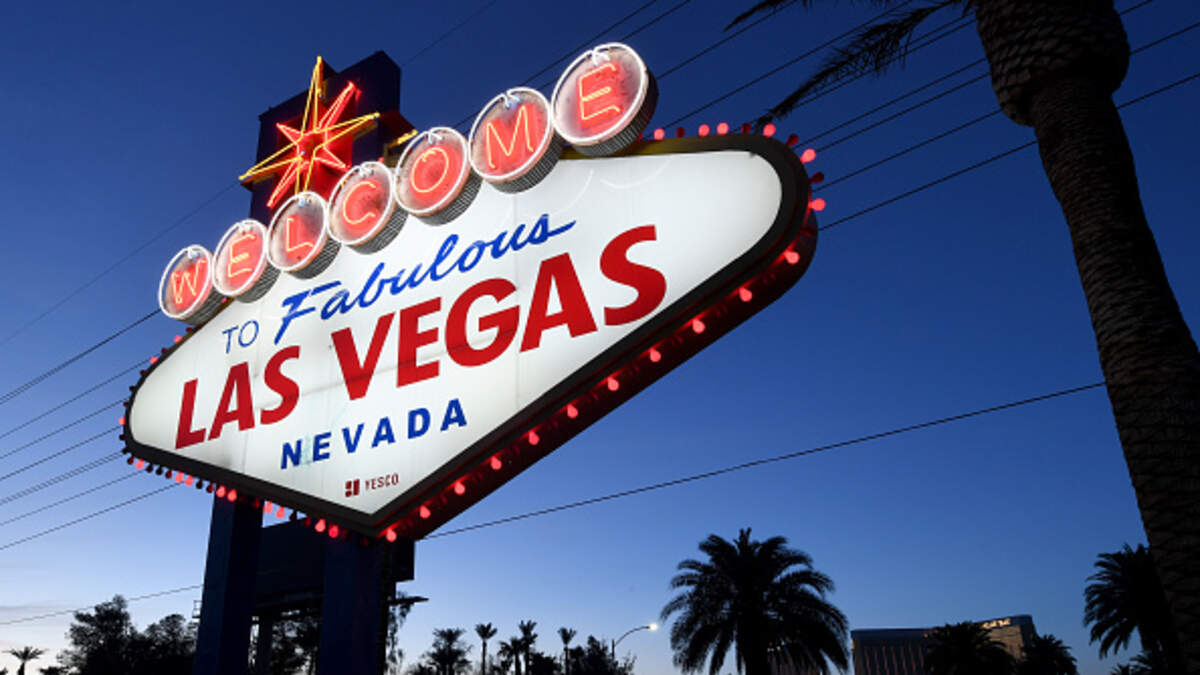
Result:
[901,651]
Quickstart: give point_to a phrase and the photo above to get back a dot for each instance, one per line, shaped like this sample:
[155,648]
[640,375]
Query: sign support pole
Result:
[223,639]
[352,607]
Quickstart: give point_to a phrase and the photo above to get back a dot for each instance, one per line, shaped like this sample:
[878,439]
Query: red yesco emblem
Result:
[314,144]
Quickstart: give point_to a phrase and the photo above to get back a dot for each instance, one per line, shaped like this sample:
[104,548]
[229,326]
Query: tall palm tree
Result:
[448,654]
[566,635]
[528,638]
[486,632]
[1125,596]
[1046,655]
[965,649]
[25,655]
[762,598]
[1054,66]
[511,649]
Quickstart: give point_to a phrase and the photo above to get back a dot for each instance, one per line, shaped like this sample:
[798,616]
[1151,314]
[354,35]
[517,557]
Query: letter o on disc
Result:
[513,143]
[298,241]
[433,178]
[362,209]
[604,99]
[240,268]
[186,290]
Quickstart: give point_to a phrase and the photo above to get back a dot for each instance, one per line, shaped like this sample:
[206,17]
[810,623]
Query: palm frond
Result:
[874,49]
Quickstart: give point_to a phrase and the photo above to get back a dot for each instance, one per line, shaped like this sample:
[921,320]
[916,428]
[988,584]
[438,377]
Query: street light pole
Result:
[649,626]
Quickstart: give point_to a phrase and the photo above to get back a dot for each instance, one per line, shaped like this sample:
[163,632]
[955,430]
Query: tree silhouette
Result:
[25,655]
[1046,655]
[1054,66]
[965,649]
[1125,596]
[528,638]
[485,631]
[448,656]
[566,635]
[762,598]
[510,651]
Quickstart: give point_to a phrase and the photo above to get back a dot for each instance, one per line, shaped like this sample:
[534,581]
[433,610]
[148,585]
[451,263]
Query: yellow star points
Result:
[309,145]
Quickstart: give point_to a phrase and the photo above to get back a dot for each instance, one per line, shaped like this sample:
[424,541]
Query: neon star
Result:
[311,144]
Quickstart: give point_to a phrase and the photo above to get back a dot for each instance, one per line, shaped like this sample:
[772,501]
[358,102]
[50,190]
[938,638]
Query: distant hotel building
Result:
[901,651]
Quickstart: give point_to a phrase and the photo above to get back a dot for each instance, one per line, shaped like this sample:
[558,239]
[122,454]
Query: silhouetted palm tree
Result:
[25,655]
[486,632]
[511,649]
[1054,66]
[760,597]
[1046,655]
[528,638]
[566,635]
[448,654]
[1126,596]
[965,649]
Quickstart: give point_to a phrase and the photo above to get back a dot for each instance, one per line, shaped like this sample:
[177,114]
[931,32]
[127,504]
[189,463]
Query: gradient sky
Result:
[120,119]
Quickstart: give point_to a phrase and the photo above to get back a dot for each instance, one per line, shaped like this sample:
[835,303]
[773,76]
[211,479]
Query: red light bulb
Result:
[140,464]
[333,531]
[704,130]
[232,496]
[612,383]
[266,507]
[722,129]
[808,155]
[495,463]
[572,411]
[424,512]
[791,257]
[153,360]
[460,489]
[390,535]
[769,130]
[655,355]
[679,132]
[121,421]
[818,204]
[178,339]
[534,439]
[745,294]
[221,492]
[279,512]
[190,480]
[698,326]
[320,525]
[659,134]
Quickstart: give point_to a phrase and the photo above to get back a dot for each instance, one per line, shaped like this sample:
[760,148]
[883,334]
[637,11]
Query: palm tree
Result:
[25,655]
[566,635]
[761,597]
[448,654]
[1125,596]
[511,649]
[528,637]
[965,649]
[1123,669]
[486,632]
[1054,66]
[1046,655]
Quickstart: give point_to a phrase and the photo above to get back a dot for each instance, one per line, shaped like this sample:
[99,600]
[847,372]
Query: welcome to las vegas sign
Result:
[386,354]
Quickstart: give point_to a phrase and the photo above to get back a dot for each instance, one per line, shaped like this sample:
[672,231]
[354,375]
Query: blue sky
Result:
[122,119]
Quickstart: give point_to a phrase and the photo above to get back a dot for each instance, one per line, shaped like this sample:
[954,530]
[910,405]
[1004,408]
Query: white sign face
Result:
[365,389]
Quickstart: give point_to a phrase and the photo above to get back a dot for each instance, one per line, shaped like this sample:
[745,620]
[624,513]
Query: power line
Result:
[147,596]
[67,499]
[22,388]
[449,32]
[71,400]
[55,480]
[768,460]
[89,516]
[984,162]
[63,428]
[51,456]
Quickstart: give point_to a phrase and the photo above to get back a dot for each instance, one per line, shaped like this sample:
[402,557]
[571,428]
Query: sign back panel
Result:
[395,388]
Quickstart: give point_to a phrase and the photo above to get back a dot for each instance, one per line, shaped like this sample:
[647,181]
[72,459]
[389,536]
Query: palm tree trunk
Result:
[1054,66]
[1149,359]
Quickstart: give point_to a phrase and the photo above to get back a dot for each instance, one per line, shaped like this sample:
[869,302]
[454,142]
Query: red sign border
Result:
[728,297]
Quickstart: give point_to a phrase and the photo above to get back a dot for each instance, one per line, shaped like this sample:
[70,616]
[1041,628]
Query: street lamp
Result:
[649,626]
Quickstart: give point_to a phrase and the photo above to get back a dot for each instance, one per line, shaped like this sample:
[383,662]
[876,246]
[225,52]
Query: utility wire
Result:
[55,480]
[88,517]
[67,499]
[71,400]
[63,428]
[22,388]
[984,162]
[449,32]
[769,460]
[52,455]
[135,598]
